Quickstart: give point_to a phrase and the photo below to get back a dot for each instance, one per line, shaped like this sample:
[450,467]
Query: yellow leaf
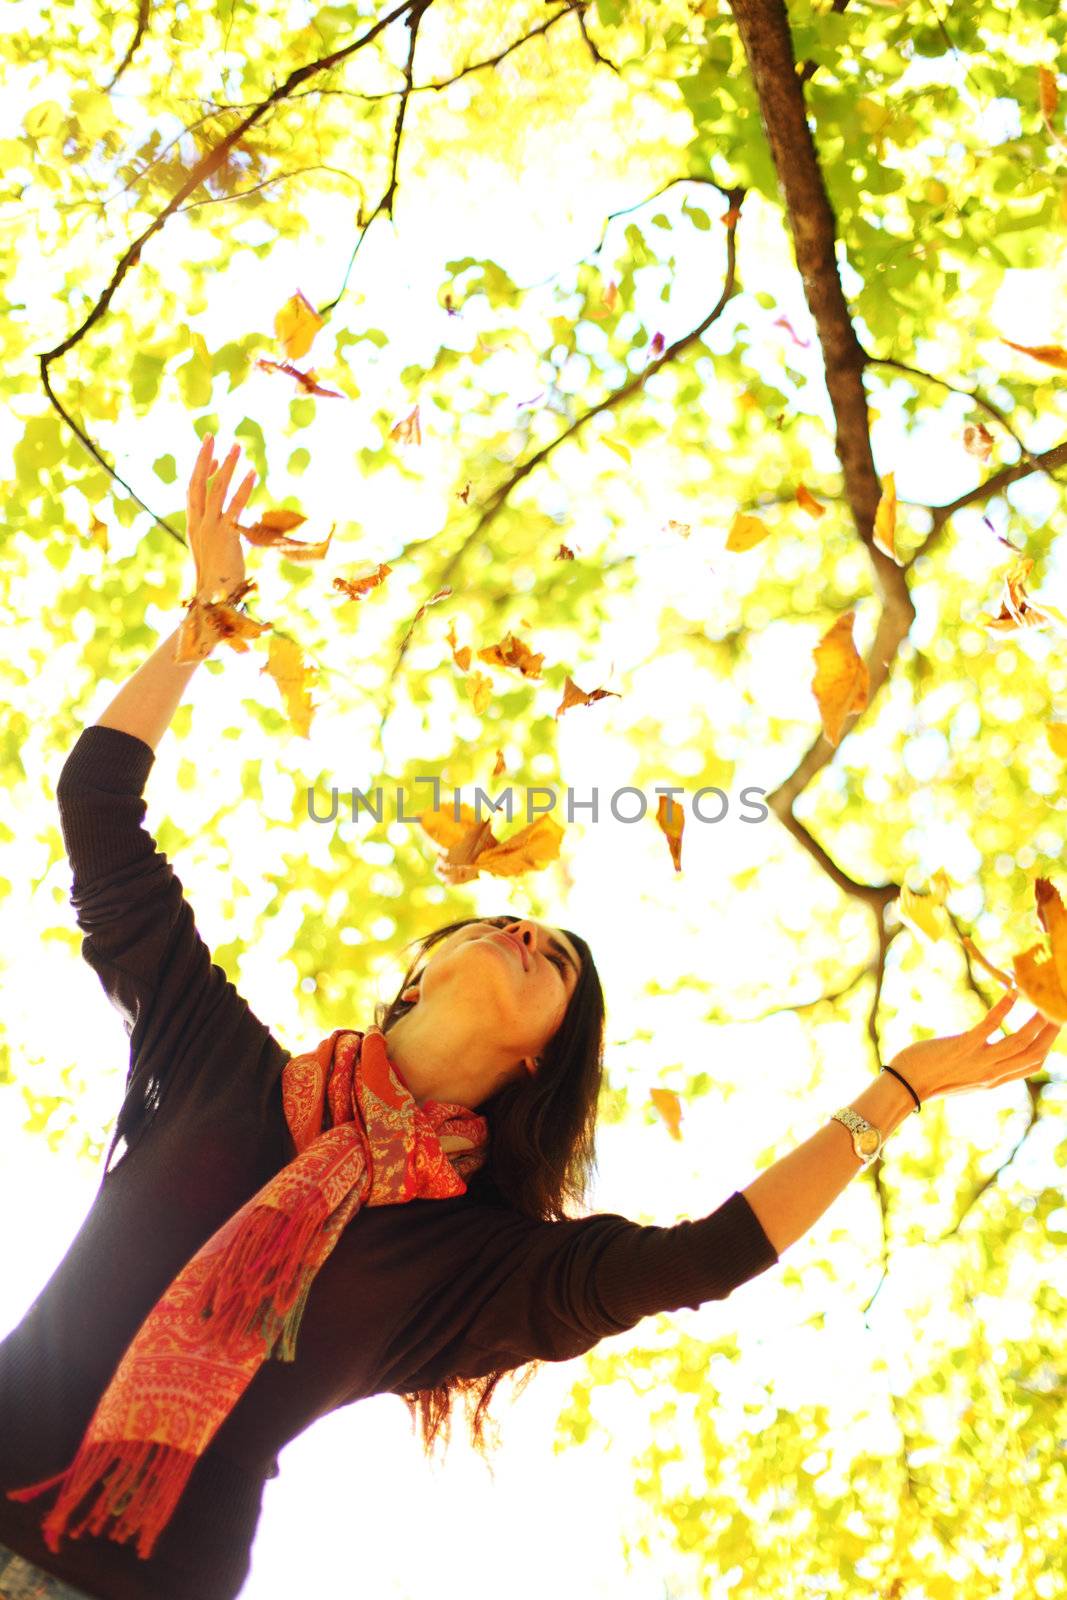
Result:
[296,325]
[286,666]
[746,531]
[807,502]
[527,851]
[1053,919]
[480,690]
[920,912]
[619,449]
[1053,355]
[671,820]
[885,518]
[98,533]
[1036,977]
[841,681]
[1056,733]
[669,1107]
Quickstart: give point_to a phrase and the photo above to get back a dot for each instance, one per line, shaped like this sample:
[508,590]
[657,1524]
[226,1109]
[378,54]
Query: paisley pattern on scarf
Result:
[361,1139]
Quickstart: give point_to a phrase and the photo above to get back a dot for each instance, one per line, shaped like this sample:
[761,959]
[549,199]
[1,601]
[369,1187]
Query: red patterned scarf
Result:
[360,1140]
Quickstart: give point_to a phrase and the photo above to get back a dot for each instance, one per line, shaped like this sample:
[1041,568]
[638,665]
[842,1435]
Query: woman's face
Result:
[518,973]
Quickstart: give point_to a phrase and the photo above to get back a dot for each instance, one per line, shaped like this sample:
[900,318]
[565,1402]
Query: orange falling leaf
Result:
[1048,95]
[356,588]
[217,621]
[682,529]
[671,821]
[1017,610]
[471,848]
[807,502]
[296,325]
[745,532]
[308,381]
[464,493]
[885,517]
[608,304]
[409,429]
[1053,355]
[511,652]
[841,681]
[573,696]
[499,766]
[98,533]
[669,1107]
[462,655]
[287,667]
[978,441]
[272,532]
[563,554]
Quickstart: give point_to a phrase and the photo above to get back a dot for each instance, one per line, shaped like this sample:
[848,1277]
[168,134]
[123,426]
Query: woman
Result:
[285,1234]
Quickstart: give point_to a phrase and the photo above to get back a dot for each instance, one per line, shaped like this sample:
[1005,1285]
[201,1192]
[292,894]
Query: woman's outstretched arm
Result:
[145,705]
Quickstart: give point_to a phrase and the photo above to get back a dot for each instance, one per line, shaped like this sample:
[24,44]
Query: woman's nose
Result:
[527,932]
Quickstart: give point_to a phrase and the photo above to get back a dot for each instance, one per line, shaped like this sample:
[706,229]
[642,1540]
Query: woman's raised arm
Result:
[145,705]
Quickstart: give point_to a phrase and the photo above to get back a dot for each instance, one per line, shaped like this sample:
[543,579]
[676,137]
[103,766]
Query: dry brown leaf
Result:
[670,818]
[409,429]
[841,681]
[1052,355]
[807,502]
[441,594]
[511,652]
[499,765]
[978,441]
[356,588]
[1048,95]
[272,532]
[669,1107]
[563,554]
[1053,919]
[296,325]
[1017,610]
[573,696]
[682,529]
[745,531]
[208,623]
[471,847]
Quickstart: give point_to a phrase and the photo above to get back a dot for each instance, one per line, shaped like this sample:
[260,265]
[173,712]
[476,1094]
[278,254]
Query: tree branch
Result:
[209,163]
[385,204]
[139,33]
[1047,461]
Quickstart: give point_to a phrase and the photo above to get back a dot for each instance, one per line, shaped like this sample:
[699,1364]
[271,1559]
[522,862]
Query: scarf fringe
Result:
[140,1484]
[260,1271]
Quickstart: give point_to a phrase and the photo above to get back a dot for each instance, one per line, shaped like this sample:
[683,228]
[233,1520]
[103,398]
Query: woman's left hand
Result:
[214,538]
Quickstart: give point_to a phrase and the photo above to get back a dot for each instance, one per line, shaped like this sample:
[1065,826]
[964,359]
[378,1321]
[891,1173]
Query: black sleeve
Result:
[570,1284]
[140,935]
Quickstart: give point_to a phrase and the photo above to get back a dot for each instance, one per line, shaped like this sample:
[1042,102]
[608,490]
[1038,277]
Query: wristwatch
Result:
[866,1140]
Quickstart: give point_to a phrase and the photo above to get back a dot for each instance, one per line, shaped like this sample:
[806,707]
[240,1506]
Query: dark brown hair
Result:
[541,1153]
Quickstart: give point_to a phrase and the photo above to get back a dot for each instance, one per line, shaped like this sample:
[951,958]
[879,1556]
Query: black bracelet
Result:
[907,1085]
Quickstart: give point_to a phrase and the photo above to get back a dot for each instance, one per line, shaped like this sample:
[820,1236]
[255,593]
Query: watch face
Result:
[868,1141]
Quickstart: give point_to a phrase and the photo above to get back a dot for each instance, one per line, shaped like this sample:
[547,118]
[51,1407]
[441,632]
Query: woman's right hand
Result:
[964,1061]
[214,539]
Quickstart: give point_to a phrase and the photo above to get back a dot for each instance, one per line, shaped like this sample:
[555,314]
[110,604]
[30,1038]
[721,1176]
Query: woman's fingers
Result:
[995,1015]
[1031,1029]
[240,499]
[200,473]
[217,492]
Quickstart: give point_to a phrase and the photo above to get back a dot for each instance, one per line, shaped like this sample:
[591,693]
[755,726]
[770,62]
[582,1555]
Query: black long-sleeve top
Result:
[412,1293]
